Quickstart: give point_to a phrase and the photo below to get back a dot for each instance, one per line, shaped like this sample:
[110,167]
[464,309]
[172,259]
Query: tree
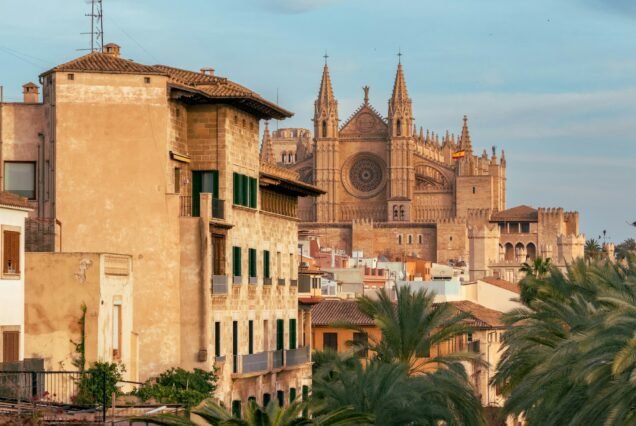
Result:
[592,249]
[178,386]
[538,268]
[569,353]
[624,249]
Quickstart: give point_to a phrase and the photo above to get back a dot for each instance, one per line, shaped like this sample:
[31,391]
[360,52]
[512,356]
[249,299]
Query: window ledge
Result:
[244,208]
[11,276]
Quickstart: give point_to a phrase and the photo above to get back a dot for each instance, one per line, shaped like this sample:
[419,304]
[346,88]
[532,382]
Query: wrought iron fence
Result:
[64,390]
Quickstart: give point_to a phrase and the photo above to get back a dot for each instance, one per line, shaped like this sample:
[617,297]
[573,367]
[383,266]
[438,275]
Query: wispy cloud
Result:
[295,6]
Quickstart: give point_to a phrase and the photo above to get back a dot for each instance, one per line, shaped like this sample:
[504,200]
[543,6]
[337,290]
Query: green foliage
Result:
[569,354]
[626,248]
[79,361]
[592,249]
[178,386]
[92,382]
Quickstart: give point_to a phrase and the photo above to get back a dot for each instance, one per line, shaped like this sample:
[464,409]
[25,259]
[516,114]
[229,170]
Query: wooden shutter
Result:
[330,341]
[217,339]
[250,336]
[280,334]
[237,188]
[253,192]
[266,264]
[10,346]
[236,261]
[292,333]
[11,252]
[245,190]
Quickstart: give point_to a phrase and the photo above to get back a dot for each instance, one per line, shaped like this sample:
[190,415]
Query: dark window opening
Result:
[330,341]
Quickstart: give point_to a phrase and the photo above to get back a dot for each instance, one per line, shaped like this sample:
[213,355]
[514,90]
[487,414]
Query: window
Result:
[234,346]
[305,398]
[250,337]
[203,181]
[10,346]
[401,212]
[292,395]
[217,339]
[117,330]
[70,76]
[236,261]
[236,408]
[410,239]
[19,178]
[292,333]
[400,239]
[266,264]
[251,257]
[266,398]
[398,128]
[245,190]
[280,334]
[525,227]
[395,212]
[361,340]
[147,80]
[330,341]
[291,266]
[280,395]
[177,180]
[419,239]
[324,129]
[265,335]
[473,189]
[11,252]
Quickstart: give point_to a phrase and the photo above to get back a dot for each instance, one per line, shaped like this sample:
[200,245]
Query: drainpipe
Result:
[205,275]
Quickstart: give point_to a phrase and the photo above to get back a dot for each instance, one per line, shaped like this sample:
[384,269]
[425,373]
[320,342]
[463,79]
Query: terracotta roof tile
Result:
[98,62]
[13,200]
[330,311]
[521,213]
[498,282]
[483,317]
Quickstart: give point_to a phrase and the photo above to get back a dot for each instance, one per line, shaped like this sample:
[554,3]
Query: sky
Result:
[553,82]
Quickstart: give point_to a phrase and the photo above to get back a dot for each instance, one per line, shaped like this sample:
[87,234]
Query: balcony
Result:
[188,208]
[253,363]
[281,281]
[297,356]
[219,285]
[278,359]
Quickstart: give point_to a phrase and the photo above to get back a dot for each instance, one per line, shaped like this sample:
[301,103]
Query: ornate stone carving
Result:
[364,175]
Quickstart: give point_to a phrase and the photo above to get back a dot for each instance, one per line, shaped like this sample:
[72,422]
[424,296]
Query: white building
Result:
[13,212]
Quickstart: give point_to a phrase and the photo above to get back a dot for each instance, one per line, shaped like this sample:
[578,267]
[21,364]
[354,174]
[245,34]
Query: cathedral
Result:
[393,191]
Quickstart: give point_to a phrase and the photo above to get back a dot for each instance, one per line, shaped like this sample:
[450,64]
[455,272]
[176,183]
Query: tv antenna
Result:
[97,26]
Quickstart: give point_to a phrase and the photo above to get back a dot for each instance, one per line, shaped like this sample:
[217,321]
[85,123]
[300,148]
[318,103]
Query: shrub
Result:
[178,386]
[92,382]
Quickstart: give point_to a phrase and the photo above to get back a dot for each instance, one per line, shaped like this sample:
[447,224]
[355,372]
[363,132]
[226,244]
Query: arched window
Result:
[395,212]
[398,127]
[531,251]
[284,155]
[410,239]
[419,239]
[324,129]
[520,252]
[291,156]
[509,252]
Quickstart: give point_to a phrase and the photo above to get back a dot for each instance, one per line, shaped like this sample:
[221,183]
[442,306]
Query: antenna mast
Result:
[97,26]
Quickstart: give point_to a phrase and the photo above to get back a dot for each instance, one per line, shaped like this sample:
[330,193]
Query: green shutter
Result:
[252,262]
[292,333]
[280,334]
[236,261]
[217,339]
[305,398]
[253,192]
[237,188]
[292,395]
[265,263]
[250,330]
[236,409]
[245,189]
[196,192]
[215,183]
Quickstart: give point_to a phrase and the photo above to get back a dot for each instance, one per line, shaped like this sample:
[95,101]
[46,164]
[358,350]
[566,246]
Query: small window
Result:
[450,238]
[525,227]
[217,339]
[419,239]
[410,239]
[236,261]
[177,180]
[11,252]
[19,178]
[473,189]
[398,128]
[147,80]
[400,240]
[10,346]
[361,340]
[330,341]
[70,76]
[251,254]
[324,129]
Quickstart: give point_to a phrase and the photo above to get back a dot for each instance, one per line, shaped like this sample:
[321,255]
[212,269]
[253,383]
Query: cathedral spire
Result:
[465,137]
[267,147]
[325,95]
[400,109]
[326,108]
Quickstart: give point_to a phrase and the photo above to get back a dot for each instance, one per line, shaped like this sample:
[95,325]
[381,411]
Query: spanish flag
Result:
[459,154]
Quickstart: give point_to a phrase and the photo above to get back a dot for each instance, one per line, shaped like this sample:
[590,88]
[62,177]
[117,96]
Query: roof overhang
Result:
[289,186]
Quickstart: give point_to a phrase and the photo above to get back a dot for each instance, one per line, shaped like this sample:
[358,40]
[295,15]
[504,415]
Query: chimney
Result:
[111,49]
[207,71]
[31,93]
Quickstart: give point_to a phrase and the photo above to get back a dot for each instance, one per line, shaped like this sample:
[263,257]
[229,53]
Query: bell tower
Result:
[401,146]
[327,165]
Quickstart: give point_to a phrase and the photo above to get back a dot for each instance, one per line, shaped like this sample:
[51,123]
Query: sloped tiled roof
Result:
[498,282]
[482,316]
[333,310]
[13,200]
[98,62]
[521,213]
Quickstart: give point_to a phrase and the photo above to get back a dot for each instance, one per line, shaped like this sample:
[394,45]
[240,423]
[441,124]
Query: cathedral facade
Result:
[394,191]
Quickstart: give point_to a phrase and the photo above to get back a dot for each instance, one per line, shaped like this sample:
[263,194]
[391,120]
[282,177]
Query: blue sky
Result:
[553,82]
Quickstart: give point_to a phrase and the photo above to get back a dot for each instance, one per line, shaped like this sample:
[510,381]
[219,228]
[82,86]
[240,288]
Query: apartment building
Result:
[162,165]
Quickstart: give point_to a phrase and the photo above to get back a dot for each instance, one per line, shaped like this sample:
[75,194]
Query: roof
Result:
[331,311]
[286,179]
[98,62]
[13,200]
[498,282]
[195,86]
[521,213]
[482,317]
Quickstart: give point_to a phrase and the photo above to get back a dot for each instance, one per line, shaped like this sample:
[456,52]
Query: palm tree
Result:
[569,356]
[271,415]
[592,249]
[625,249]
[538,268]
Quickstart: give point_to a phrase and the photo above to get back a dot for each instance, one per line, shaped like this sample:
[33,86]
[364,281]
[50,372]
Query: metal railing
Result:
[185,205]
[218,208]
[219,284]
[297,356]
[278,358]
[61,390]
[254,363]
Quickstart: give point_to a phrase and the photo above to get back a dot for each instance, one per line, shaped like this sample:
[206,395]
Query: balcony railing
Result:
[237,279]
[297,356]
[278,358]
[185,205]
[218,208]
[254,363]
[219,284]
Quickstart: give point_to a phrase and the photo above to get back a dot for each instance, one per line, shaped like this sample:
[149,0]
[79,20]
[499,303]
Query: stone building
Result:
[286,146]
[162,164]
[393,190]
